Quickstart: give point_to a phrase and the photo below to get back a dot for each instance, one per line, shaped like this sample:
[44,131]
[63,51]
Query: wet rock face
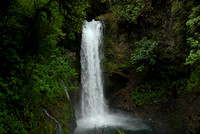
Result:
[114,83]
[167,26]
[120,95]
[63,112]
[188,106]
[72,125]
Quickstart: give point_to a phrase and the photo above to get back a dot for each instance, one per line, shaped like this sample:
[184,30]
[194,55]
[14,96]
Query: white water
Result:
[65,88]
[93,103]
[94,111]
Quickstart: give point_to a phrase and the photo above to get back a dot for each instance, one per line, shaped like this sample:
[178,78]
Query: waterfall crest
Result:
[92,99]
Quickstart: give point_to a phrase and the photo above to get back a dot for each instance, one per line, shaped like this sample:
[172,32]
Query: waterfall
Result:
[94,111]
[92,98]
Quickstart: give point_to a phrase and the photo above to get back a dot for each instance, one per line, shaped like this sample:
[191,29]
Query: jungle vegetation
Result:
[37,35]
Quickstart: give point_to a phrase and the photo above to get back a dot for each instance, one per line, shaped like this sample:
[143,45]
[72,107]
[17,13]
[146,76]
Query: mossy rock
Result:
[106,16]
[61,109]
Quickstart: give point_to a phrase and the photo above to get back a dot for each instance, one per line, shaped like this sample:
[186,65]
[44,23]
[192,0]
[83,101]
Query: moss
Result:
[65,126]
[45,124]
[106,16]
[61,109]
[148,93]
[116,49]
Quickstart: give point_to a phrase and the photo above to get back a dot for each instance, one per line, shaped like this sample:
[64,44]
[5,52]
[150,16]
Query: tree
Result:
[145,53]
[129,10]
[32,59]
[193,25]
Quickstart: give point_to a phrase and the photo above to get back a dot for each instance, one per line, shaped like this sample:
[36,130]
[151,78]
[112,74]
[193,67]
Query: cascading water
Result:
[65,88]
[92,99]
[94,111]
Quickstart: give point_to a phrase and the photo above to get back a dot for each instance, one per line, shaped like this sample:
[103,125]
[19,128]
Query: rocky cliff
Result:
[158,91]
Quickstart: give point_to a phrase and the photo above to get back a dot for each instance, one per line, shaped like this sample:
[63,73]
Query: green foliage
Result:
[193,25]
[179,11]
[139,69]
[179,86]
[14,126]
[119,132]
[193,39]
[198,118]
[129,10]
[32,59]
[194,79]
[145,53]
[75,14]
[46,77]
[157,86]
[148,93]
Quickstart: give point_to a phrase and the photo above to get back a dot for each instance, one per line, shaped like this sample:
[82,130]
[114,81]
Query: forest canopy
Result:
[36,37]
[33,59]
